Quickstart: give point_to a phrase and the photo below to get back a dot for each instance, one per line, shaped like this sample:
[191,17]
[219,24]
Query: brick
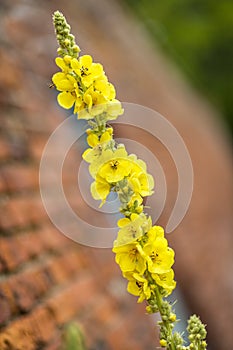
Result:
[104,310]
[37,143]
[10,253]
[16,250]
[131,331]
[29,331]
[44,324]
[10,73]
[4,149]
[74,298]
[64,267]
[52,239]
[54,345]
[5,309]
[20,177]
[3,185]
[21,211]
[24,290]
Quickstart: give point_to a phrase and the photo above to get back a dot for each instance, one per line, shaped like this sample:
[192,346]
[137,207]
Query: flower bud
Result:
[163,343]
[172,317]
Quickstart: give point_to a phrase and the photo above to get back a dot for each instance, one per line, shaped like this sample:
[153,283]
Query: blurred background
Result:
[197,35]
[172,56]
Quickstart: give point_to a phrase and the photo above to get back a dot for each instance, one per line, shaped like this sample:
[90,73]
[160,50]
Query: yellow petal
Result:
[105,137]
[60,63]
[65,99]
[114,109]
[65,85]
[88,100]
[84,114]
[75,64]
[122,222]
[85,155]
[57,77]
[86,61]
[134,216]
[112,92]
[97,71]
[67,59]
[92,140]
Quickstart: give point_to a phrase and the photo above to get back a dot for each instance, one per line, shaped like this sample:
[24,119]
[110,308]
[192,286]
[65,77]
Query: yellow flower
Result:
[105,88]
[93,140]
[64,63]
[115,170]
[84,85]
[140,181]
[100,189]
[138,286]
[102,154]
[130,257]
[86,69]
[160,257]
[155,232]
[165,280]
[92,155]
[68,87]
[135,203]
[113,109]
[97,99]
[132,228]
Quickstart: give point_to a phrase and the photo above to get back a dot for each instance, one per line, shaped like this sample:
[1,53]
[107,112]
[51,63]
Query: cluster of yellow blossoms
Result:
[141,249]
[84,85]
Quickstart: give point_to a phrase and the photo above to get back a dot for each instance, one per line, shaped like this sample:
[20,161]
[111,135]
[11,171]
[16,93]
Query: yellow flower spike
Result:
[141,250]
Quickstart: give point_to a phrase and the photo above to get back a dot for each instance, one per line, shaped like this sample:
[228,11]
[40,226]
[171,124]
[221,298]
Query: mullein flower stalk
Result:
[141,249]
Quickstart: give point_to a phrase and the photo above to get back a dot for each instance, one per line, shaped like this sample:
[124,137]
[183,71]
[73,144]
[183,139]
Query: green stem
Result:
[167,325]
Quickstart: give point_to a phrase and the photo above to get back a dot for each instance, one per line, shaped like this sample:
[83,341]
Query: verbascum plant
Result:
[141,249]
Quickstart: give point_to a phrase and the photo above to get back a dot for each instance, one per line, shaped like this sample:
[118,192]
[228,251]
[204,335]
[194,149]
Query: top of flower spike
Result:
[66,41]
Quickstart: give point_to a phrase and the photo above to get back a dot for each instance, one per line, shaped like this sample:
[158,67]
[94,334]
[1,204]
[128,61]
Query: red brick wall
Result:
[47,280]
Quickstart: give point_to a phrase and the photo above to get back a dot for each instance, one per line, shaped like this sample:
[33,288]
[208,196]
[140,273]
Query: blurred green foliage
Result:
[198,35]
[73,338]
